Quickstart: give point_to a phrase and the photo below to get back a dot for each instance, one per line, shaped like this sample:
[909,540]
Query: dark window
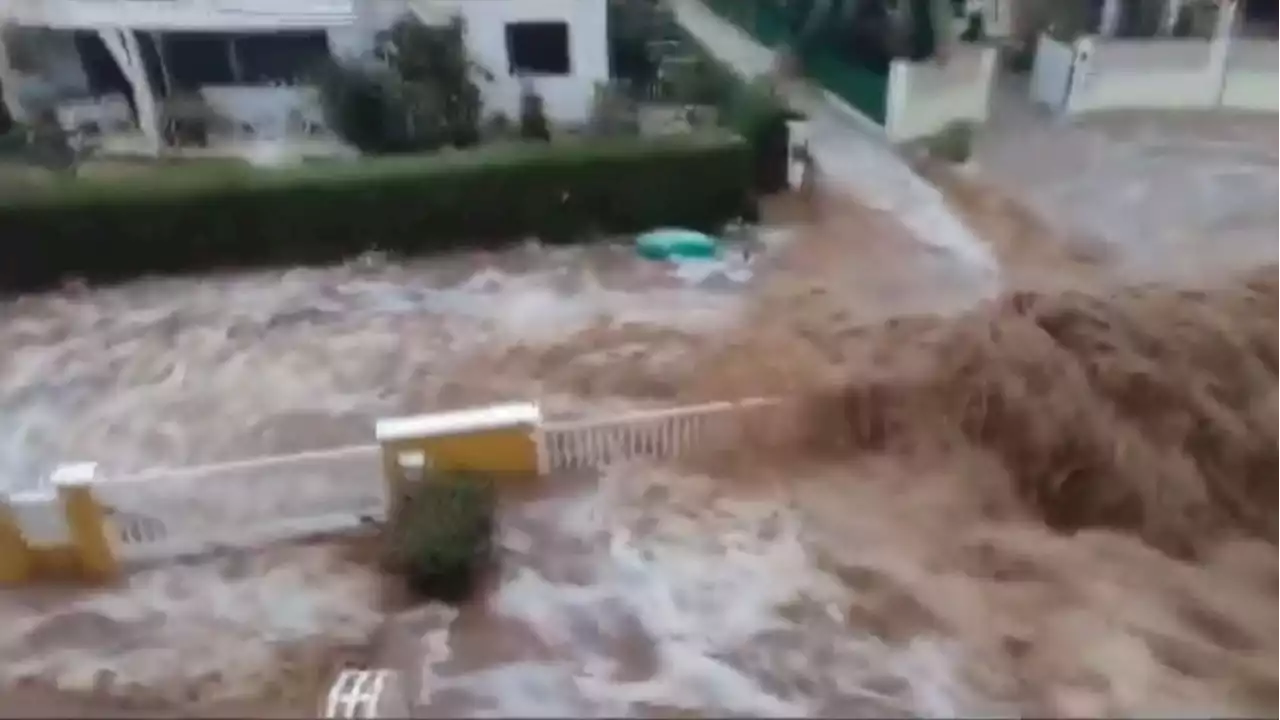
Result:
[538,48]
[195,59]
[280,57]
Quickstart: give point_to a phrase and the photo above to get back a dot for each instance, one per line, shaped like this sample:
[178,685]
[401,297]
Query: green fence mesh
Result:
[773,24]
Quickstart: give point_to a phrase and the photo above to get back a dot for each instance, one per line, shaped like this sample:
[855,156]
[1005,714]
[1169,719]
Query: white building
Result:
[244,57]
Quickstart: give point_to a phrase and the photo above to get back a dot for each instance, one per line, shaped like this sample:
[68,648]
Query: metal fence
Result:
[656,435]
[242,504]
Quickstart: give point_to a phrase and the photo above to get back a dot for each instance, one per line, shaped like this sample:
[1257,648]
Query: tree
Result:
[419,95]
[6,122]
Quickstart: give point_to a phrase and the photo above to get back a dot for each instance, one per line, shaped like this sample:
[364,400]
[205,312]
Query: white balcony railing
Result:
[179,14]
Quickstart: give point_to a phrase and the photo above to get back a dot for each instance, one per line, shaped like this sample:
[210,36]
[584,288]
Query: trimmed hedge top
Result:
[182,220]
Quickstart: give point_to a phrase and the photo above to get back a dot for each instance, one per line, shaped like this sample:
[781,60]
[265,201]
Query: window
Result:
[538,48]
[195,59]
[279,57]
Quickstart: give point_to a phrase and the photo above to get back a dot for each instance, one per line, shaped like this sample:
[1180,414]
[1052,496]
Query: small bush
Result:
[182,220]
[752,109]
[953,144]
[416,93]
[442,541]
[533,117]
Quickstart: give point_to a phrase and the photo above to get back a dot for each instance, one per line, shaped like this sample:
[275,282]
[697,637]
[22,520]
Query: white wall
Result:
[1253,78]
[1051,72]
[1146,73]
[567,99]
[925,97]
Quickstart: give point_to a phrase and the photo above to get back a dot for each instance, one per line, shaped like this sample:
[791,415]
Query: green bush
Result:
[752,109]
[174,221]
[442,538]
[953,143]
[420,95]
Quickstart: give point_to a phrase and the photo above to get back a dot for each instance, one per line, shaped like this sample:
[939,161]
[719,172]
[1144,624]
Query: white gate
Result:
[1051,75]
[247,503]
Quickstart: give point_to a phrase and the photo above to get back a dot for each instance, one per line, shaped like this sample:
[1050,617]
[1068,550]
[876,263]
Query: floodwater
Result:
[172,372]
[828,589]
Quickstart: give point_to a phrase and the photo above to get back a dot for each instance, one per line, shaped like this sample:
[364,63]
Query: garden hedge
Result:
[181,220]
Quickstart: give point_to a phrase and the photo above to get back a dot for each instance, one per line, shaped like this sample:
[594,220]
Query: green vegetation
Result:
[172,221]
[751,108]
[952,144]
[442,538]
[419,95]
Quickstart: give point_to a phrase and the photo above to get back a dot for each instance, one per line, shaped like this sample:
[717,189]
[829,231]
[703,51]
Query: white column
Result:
[1220,46]
[1172,8]
[1110,21]
[124,49]
[11,82]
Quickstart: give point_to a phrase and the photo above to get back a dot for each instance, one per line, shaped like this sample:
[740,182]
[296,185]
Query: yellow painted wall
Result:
[15,563]
[87,557]
[88,523]
[508,451]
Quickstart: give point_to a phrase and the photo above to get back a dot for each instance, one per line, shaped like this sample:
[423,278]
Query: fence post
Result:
[87,520]
[1220,48]
[15,560]
[498,439]
[898,95]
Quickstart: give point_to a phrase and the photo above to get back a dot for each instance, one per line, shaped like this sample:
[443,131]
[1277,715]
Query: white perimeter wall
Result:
[1098,74]
[925,97]
[1147,73]
[1253,75]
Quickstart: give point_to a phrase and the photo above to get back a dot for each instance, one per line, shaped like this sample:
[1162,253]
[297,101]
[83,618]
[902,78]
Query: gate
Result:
[1051,75]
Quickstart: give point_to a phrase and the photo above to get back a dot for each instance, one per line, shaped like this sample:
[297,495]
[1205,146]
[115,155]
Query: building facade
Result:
[117,61]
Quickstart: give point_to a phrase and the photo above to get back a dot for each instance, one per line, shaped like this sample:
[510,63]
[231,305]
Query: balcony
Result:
[175,15]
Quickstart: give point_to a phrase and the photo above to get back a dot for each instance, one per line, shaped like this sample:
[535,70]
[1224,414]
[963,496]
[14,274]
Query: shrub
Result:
[533,117]
[442,539]
[953,144]
[416,94]
[752,109]
[179,220]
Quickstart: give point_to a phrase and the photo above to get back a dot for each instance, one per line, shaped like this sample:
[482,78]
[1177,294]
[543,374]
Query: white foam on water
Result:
[691,601]
[166,372]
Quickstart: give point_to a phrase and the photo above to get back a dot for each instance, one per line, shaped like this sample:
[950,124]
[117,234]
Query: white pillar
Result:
[11,82]
[1172,8]
[124,49]
[1110,21]
[1220,46]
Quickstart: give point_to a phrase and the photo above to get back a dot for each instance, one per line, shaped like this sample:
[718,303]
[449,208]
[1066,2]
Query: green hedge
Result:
[180,220]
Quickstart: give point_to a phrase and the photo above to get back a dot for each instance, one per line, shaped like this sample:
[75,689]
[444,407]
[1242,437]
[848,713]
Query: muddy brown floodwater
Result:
[1043,503]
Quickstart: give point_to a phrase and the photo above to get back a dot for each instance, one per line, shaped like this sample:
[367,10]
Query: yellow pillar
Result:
[497,439]
[15,559]
[87,520]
